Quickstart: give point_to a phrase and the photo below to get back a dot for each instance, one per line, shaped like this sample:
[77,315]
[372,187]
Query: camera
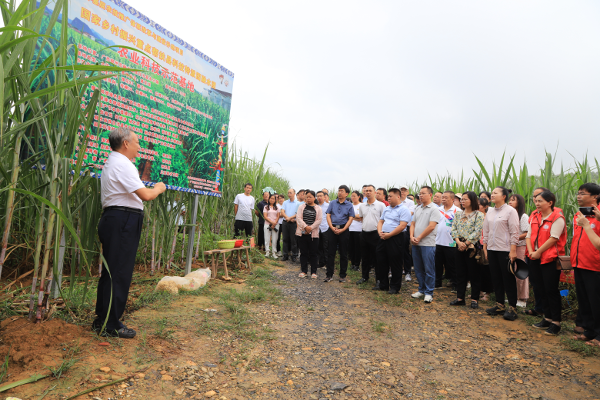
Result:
[589,211]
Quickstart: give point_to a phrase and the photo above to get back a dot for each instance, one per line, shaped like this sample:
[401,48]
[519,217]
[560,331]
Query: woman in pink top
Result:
[500,238]
[271,215]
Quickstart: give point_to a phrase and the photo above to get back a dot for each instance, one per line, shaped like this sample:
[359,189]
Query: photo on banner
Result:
[178,105]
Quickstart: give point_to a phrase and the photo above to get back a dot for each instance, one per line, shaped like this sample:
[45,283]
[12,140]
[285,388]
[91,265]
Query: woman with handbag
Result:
[546,241]
[500,238]
[466,231]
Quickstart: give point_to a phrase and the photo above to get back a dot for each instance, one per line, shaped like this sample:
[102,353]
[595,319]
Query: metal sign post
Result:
[192,235]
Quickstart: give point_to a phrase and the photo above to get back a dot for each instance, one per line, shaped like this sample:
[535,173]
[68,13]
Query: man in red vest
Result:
[585,259]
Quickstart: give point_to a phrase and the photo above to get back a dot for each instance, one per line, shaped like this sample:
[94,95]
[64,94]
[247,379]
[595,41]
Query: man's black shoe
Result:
[543,324]
[457,302]
[285,258]
[96,325]
[393,291]
[510,314]
[294,259]
[328,279]
[355,268]
[123,333]
[361,281]
[552,330]
[474,304]
[377,286]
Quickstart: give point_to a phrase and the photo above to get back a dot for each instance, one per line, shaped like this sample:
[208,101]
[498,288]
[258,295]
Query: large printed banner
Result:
[179,107]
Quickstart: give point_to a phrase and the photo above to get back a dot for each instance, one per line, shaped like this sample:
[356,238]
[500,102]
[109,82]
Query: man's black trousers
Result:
[119,233]
[333,241]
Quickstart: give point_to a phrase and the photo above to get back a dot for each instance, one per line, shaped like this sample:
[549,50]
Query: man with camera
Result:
[585,259]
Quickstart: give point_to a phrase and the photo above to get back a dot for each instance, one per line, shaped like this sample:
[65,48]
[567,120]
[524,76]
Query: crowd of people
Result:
[470,240]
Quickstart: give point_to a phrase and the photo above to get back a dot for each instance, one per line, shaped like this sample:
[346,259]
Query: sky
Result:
[385,92]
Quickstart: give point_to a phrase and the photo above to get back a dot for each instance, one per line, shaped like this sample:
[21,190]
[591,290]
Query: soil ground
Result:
[272,335]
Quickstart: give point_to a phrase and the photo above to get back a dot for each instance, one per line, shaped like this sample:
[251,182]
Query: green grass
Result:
[378,326]
[579,347]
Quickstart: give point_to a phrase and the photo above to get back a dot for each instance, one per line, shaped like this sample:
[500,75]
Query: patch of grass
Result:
[310,308]
[579,347]
[163,329]
[391,299]
[378,326]
[4,367]
[68,361]
[143,353]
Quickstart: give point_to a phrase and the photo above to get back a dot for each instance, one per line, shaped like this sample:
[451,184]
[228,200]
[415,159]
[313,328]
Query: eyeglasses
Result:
[581,194]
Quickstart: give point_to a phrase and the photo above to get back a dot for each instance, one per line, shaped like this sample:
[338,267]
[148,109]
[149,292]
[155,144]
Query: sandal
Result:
[314,276]
[594,343]
[581,338]
[302,275]
[578,329]
[532,313]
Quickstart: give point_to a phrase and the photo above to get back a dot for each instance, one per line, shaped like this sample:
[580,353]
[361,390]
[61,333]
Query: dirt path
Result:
[318,341]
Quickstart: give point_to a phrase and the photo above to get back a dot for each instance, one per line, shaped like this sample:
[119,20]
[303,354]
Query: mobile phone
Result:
[589,211]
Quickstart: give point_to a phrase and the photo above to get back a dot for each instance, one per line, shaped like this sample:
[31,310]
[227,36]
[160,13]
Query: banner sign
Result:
[179,106]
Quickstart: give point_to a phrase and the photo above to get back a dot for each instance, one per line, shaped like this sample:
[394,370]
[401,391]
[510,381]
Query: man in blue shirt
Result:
[391,229]
[339,217]
[288,227]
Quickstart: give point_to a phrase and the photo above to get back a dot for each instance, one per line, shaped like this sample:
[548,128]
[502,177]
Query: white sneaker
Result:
[275,256]
[417,295]
[408,278]
[521,303]
[279,254]
[267,253]
[428,298]
[469,285]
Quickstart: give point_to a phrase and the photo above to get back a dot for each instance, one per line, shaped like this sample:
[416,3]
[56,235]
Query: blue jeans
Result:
[424,262]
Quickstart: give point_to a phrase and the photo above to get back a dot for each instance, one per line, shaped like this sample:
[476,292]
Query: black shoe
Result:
[457,302]
[123,333]
[393,291]
[543,324]
[377,286]
[285,258]
[343,280]
[552,330]
[328,279]
[510,314]
[498,309]
[294,259]
[474,304]
[96,325]
[361,281]
[355,268]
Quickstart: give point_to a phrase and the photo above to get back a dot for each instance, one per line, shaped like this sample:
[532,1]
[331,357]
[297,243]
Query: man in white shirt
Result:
[323,228]
[369,213]
[119,230]
[243,207]
[437,199]
[445,247]
[408,261]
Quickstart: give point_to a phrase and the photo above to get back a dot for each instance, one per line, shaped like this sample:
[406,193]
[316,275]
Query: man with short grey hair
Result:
[119,229]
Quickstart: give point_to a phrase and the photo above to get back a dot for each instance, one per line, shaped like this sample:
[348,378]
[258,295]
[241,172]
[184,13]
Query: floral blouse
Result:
[468,227]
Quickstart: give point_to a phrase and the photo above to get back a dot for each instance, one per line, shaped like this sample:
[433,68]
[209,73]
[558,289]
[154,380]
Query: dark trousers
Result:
[389,257]
[467,269]
[486,279]
[538,291]
[309,253]
[280,227]
[369,253]
[587,284]
[355,248]
[261,234]
[502,279]
[323,248]
[407,257]
[333,241]
[445,256]
[289,238]
[548,278]
[240,227]
[119,233]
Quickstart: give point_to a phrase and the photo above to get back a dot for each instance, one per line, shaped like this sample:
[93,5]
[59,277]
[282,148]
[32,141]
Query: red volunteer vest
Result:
[540,232]
[583,253]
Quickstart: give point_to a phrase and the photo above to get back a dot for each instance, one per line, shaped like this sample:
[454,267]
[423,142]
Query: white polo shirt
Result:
[408,203]
[119,179]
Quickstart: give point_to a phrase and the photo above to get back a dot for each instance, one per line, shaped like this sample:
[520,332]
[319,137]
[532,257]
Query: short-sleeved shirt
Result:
[408,203]
[393,216]
[119,179]
[261,206]
[324,225]
[370,214]
[340,212]
[279,206]
[245,207]
[290,207]
[556,229]
[270,213]
[444,228]
[423,216]
[355,226]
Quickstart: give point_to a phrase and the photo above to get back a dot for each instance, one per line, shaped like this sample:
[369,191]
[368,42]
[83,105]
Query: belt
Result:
[128,209]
